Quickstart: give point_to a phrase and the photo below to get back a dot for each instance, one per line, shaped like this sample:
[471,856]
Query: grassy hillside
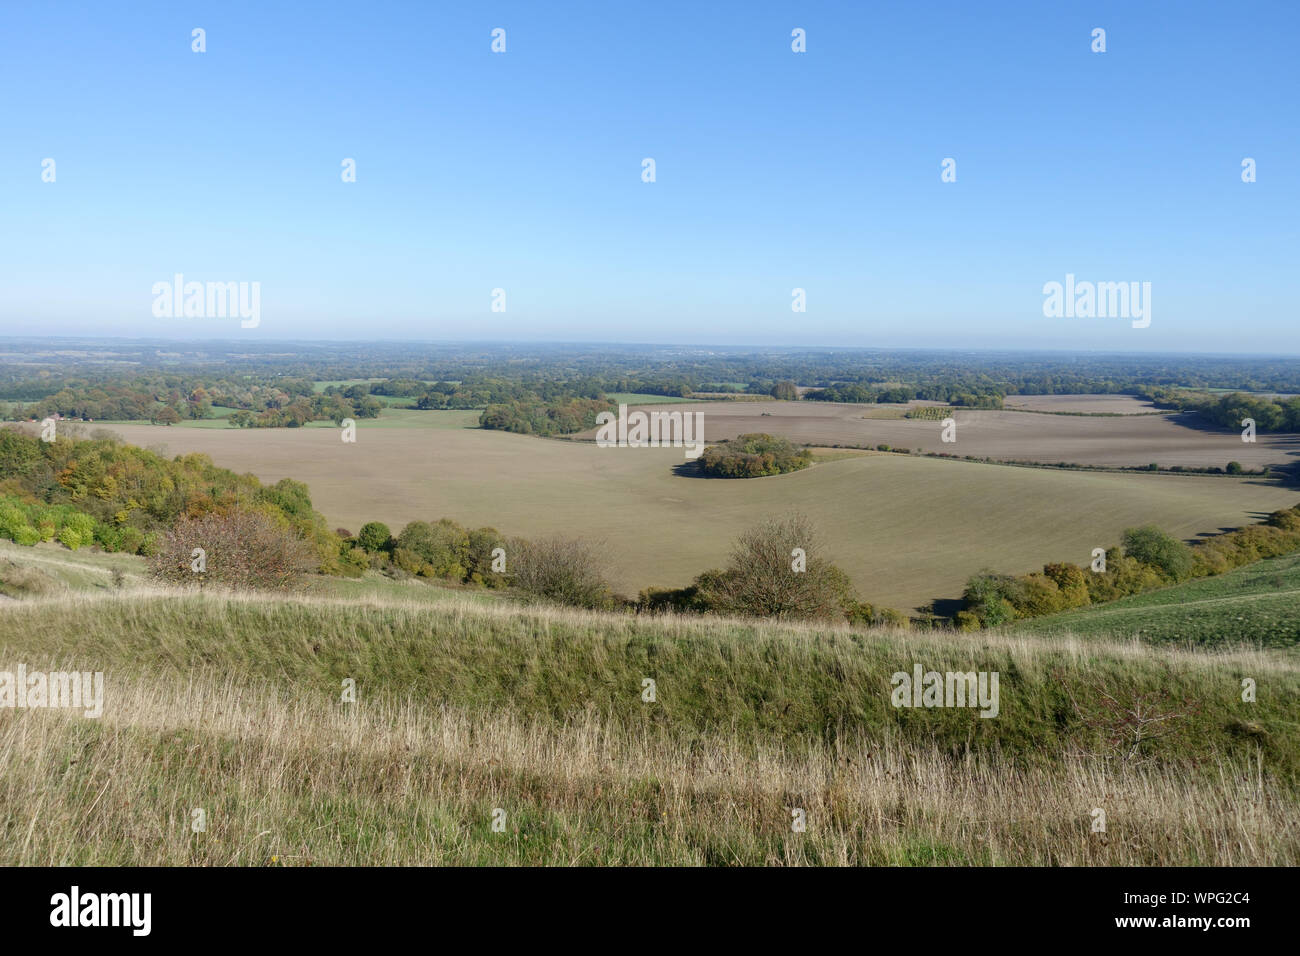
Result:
[232,704]
[1258,604]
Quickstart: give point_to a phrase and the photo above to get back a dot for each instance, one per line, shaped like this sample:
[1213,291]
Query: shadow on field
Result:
[947,607]
[694,469]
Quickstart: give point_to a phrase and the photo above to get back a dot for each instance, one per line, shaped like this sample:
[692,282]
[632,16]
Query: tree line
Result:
[1146,558]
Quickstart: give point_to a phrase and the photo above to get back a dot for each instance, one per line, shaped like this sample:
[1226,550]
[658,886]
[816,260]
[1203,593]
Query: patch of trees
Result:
[316,408]
[394,387]
[1146,558]
[990,397]
[754,455]
[128,498]
[561,417]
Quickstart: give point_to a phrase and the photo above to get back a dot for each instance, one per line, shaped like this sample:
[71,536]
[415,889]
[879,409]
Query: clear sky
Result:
[775,170]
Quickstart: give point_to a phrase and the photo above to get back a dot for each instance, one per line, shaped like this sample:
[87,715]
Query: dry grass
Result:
[305,781]
[230,703]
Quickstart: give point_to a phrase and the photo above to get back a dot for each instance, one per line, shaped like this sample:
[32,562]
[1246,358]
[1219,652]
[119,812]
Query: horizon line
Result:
[148,340]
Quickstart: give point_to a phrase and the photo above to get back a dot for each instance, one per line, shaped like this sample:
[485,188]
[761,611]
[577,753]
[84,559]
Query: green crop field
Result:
[320,386]
[644,398]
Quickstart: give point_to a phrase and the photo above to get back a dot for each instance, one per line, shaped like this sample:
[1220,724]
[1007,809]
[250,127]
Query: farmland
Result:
[1081,404]
[908,530]
[1132,441]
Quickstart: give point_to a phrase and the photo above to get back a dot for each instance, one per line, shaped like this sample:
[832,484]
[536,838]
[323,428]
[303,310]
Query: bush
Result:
[560,569]
[374,536]
[681,600]
[1160,550]
[83,525]
[479,558]
[992,598]
[12,519]
[761,579]
[27,536]
[244,549]
[353,562]
[433,550]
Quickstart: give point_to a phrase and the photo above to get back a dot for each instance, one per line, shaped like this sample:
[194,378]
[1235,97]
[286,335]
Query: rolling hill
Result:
[1258,604]
[468,712]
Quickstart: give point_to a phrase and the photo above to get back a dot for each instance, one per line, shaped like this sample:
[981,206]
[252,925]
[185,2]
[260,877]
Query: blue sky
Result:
[775,170]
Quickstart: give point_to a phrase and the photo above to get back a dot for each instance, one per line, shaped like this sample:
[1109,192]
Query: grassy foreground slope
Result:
[232,704]
[1257,604]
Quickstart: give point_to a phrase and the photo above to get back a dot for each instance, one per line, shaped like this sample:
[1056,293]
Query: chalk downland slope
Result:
[1255,604]
[232,703]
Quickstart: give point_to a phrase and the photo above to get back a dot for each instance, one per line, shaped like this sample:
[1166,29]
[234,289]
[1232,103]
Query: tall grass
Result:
[232,704]
[285,780]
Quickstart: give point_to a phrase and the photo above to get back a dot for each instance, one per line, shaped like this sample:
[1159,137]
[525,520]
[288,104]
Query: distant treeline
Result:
[1230,410]
[167,399]
[85,379]
[899,394]
[37,368]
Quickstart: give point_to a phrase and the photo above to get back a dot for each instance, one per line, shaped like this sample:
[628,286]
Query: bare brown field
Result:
[1131,441]
[1081,404]
[907,529]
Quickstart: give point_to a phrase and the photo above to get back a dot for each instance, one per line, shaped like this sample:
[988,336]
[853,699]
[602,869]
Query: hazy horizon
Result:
[557,343]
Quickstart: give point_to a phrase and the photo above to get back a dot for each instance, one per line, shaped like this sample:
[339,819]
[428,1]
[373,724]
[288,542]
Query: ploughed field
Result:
[1082,404]
[907,529]
[1134,440]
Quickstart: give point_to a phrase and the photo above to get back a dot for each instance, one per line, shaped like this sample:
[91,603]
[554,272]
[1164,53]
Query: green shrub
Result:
[439,549]
[1160,550]
[27,536]
[375,536]
[762,581]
